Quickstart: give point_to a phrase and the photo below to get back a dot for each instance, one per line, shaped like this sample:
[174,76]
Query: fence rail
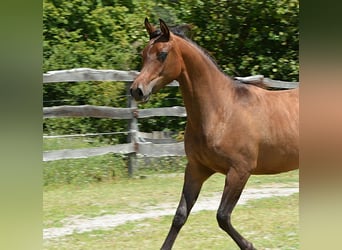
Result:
[144,148]
[140,143]
[110,112]
[87,152]
[87,74]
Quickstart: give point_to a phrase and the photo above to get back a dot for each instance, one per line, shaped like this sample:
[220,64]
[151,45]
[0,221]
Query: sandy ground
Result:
[80,224]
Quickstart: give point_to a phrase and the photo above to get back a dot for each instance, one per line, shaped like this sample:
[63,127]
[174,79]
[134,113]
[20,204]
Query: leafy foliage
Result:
[245,37]
[249,36]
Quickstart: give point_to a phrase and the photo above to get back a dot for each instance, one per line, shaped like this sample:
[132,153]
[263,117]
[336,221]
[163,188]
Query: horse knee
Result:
[223,220]
[180,217]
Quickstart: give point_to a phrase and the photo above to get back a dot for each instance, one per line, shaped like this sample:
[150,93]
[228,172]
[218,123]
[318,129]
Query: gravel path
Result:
[79,224]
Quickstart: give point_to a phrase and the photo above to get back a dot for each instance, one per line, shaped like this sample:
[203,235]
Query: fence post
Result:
[133,132]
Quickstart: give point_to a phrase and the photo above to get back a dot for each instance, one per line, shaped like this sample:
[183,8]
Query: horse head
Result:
[161,63]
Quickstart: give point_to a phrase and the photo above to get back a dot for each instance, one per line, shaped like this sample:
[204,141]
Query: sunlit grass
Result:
[133,195]
[270,223]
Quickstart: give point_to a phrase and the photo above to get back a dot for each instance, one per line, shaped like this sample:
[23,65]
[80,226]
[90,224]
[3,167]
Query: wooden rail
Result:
[144,148]
[110,112]
[86,74]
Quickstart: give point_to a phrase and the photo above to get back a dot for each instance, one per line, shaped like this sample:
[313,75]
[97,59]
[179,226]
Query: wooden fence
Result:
[140,143]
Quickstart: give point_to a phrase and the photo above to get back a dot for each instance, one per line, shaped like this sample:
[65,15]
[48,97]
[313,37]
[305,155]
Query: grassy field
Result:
[270,223]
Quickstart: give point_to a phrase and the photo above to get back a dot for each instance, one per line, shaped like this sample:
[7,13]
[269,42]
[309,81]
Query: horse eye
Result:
[162,56]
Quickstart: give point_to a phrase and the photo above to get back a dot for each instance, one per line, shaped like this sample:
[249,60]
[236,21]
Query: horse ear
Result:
[165,30]
[150,29]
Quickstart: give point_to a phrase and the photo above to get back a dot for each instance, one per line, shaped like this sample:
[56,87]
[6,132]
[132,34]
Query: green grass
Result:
[264,220]
[81,171]
[131,195]
[72,143]
[270,223]
[99,186]
[128,195]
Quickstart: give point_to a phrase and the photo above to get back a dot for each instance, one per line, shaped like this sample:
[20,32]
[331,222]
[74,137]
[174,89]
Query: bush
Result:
[248,36]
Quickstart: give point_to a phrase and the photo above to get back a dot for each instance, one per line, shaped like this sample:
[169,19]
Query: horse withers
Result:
[233,128]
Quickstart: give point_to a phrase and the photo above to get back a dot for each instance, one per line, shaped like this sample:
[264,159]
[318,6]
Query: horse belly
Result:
[276,160]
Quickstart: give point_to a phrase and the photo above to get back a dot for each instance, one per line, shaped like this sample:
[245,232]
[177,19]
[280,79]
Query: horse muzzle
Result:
[138,94]
[142,93]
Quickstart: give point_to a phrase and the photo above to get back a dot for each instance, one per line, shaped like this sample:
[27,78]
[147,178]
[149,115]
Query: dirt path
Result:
[80,224]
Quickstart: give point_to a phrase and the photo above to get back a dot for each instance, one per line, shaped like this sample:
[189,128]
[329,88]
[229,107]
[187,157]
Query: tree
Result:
[248,36]
[245,37]
[93,34]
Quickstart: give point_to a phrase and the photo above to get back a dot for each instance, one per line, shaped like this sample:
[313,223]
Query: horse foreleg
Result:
[193,180]
[235,182]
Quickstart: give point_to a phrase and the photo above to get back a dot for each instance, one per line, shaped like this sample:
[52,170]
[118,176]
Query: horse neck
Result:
[204,87]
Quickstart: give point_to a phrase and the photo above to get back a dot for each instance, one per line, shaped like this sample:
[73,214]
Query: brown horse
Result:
[233,128]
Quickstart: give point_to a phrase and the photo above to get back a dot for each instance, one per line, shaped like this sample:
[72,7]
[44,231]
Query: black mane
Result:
[184,31]
[238,83]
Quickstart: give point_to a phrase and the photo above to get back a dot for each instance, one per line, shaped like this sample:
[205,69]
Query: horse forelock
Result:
[183,30]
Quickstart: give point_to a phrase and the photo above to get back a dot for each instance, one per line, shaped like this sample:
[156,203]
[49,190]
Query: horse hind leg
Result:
[235,182]
[193,180]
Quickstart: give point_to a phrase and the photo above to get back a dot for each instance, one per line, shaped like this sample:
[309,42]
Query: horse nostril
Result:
[139,92]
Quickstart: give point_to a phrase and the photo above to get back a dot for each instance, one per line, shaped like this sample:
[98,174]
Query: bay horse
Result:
[232,128]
